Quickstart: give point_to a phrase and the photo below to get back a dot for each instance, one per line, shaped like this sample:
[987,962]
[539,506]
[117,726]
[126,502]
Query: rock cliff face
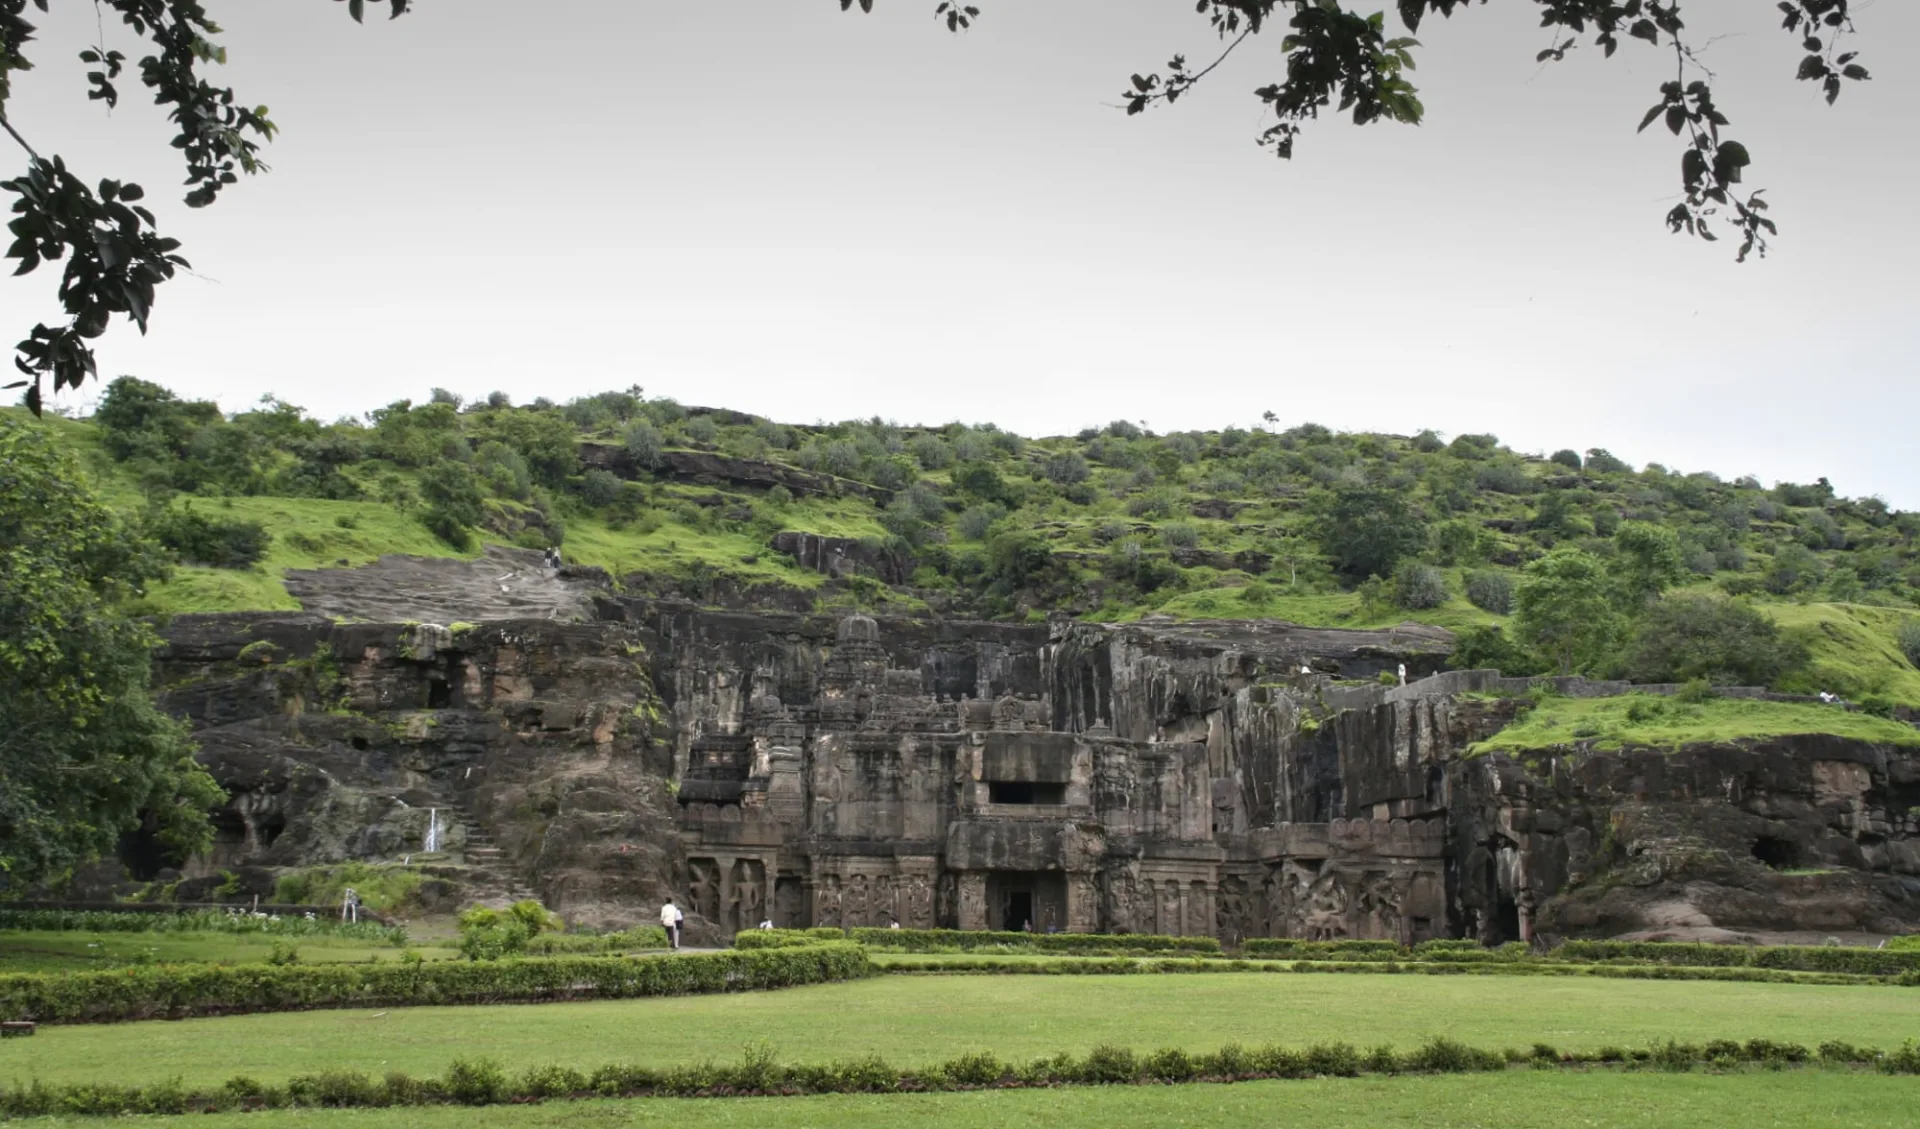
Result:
[1213,778]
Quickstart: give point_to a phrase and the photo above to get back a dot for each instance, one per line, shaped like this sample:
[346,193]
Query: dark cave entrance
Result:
[1506,919]
[439,694]
[144,855]
[1778,854]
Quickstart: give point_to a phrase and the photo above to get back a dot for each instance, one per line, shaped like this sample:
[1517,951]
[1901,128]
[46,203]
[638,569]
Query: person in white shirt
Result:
[670,919]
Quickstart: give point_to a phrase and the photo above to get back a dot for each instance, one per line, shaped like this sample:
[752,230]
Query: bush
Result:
[454,501]
[161,991]
[1417,586]
[1566,458]
[643,442]
[195,538]
[1684,636]
[977,521]
[1490,590]
[1910,640]
[600,488]
[1179,535]
[1503,478]
[1067,468]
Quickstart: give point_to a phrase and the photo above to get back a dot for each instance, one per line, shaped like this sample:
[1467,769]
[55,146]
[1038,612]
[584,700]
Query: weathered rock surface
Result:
[500,584]
[1232,778]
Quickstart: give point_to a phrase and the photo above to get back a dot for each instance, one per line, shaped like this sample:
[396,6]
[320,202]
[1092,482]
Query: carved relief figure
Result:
[856,911]
[1170,908]
[827,899]
[919,903]
[703,888]
[1233,919]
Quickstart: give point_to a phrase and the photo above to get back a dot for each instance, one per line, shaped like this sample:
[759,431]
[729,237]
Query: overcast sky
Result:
[777,207]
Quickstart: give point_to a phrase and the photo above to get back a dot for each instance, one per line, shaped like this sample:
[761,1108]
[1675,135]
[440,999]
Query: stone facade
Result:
[1228,779]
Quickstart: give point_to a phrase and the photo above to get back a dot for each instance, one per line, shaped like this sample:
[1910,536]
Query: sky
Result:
[778,207]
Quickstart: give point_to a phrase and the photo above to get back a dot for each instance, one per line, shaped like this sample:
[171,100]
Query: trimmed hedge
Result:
[197,921]
[1289,949]
[786,938]
[177,991]
[973,940]
[484,1082]
[559,944]
[1121,966]
[1800,958]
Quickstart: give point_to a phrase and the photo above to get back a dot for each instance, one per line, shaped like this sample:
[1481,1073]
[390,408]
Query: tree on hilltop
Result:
[1336,60]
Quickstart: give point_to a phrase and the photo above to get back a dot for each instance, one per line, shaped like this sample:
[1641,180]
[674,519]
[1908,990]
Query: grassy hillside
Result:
[1646,720]
[1113,523]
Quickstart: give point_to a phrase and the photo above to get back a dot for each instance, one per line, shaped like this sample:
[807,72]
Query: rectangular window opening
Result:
[1025,792]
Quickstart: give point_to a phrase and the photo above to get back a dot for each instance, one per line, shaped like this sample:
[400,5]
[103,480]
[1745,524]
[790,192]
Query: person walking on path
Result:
[670,919]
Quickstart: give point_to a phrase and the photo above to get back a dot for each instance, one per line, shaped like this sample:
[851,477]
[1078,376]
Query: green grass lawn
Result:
[1803,1099]
[1644,719]
[1855,648]
[1338,609]
[37,951]
[920,1019]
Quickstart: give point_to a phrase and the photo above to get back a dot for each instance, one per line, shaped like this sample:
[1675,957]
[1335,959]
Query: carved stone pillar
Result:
[1083,904]
[973,899]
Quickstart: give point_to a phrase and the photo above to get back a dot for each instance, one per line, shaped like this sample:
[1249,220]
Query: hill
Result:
[1114,523]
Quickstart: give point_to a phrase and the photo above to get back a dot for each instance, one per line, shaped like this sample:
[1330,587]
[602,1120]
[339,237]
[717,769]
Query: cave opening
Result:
[1506,919]
[1776,853]
[144,855]
[439,694]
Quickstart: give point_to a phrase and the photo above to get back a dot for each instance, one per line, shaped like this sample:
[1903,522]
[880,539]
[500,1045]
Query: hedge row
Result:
[484,1082]
[176,991]
[973,940]
[197,921]
[559,944]
[785,938]
[1289,948]
[1123,966]
[1803,958]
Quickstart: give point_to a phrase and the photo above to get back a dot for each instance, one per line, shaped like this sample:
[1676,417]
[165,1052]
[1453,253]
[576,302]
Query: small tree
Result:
[1567,458]
[1418,586]
[1564,608]
[1490,591]
[1366,530]
[1649,561]
[1682,637]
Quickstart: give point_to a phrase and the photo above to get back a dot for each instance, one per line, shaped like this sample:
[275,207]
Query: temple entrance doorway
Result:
[1015,897]
[1019,909]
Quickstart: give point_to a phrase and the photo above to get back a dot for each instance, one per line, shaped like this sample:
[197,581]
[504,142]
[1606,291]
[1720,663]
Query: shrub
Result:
[1067,468]
[599,488]
[1684,636]
[1503,478]
[195,538]
[1910,640]
[643,442]
[1566,458]
[1428,443]
[1490,590]
[1417,586]
[1179,535]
